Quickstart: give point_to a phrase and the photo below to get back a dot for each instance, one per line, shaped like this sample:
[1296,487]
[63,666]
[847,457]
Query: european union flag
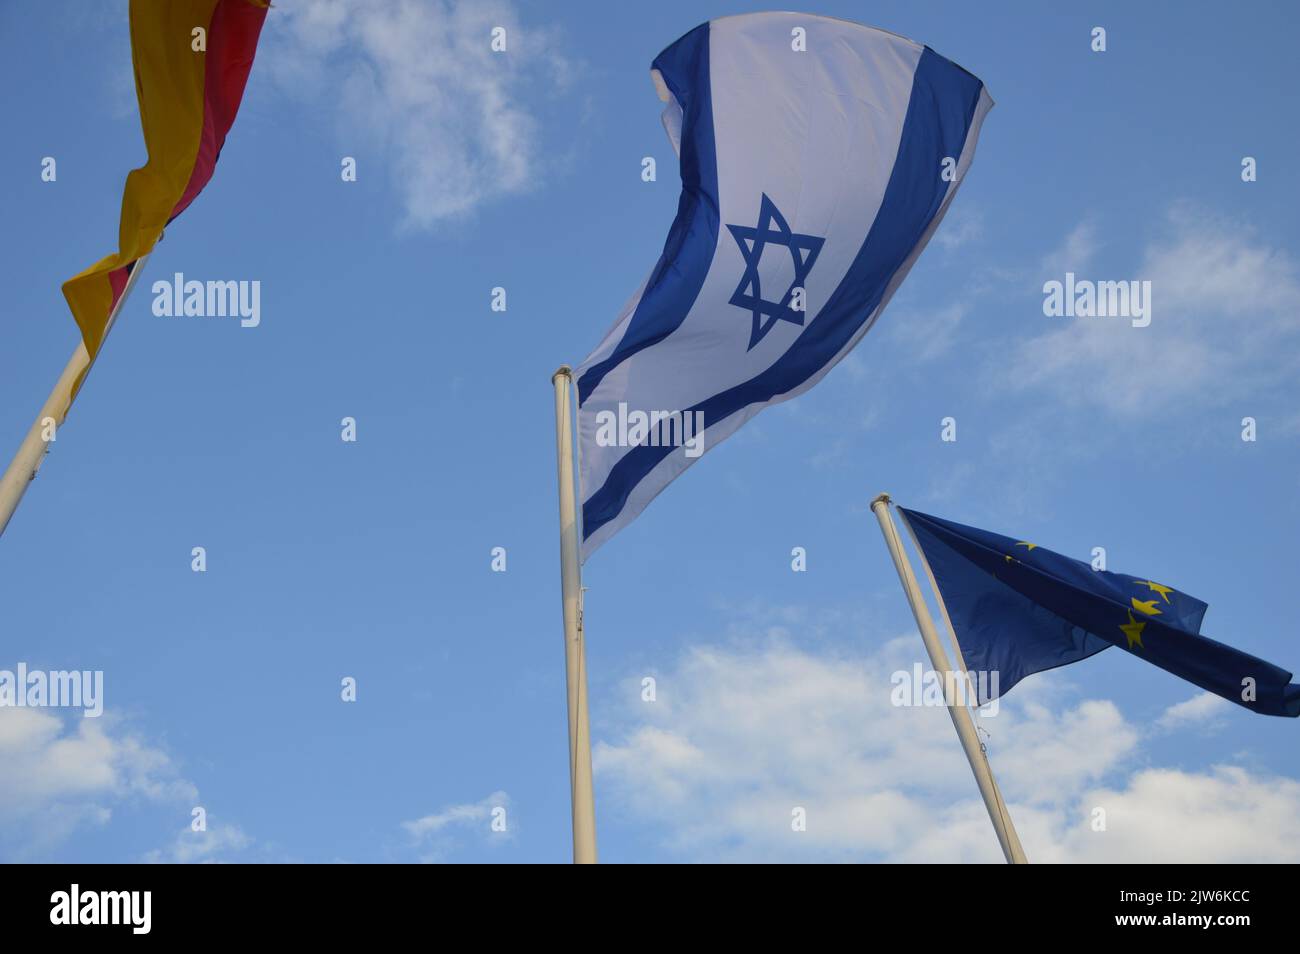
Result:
[1018,608]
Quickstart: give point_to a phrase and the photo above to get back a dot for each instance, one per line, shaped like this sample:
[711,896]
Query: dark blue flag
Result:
[1018,609]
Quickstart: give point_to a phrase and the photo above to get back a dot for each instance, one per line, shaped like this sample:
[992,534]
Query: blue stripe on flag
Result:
[941,91]
[689,248]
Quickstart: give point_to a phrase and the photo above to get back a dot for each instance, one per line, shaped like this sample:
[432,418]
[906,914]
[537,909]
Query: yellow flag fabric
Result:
[191,60]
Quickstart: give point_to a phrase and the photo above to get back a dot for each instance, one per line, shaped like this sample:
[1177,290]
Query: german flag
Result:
[191,59]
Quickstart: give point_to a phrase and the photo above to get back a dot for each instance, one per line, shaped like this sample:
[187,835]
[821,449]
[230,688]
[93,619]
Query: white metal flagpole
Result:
[957,709]
[31,453]
[575,655]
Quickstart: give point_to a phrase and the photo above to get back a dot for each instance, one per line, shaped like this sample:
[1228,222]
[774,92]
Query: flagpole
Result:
[31,452]
[969,683]
[575,656]
[960,713]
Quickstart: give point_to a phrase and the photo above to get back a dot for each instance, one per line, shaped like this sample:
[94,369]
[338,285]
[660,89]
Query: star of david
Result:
[772,229]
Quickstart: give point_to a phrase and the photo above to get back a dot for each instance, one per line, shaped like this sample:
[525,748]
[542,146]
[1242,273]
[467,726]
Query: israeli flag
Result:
[817,158]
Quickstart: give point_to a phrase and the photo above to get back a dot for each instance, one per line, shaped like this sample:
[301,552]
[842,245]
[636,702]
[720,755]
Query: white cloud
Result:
[1204,709]
[1225,815]
[1225,317]
[417,83]
[1222,267]
[1048,753]
[61,775]
[740,736]
[437,834]
[214,845]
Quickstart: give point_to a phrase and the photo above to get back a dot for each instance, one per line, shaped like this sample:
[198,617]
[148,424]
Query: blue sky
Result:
[372,559]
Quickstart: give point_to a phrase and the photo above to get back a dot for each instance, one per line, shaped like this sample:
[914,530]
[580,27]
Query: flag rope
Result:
[976,754]
[951,631]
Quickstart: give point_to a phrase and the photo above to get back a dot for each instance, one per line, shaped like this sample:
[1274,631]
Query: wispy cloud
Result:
[1225,322]
[1204,709]
[437,834]
[1074,254]
[218,843]
[930,334]
[963,225]
[419,84]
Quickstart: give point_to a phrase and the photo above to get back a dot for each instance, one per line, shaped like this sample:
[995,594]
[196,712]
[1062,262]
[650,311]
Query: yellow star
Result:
[1149,607]
[1133,630]
[1024,543]
[1164,591]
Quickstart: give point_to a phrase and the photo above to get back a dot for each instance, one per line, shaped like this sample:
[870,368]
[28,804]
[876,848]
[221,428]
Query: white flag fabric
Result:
[817,158]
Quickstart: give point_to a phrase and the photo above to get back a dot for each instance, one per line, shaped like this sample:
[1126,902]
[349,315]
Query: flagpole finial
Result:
[881,498]
[563,369]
